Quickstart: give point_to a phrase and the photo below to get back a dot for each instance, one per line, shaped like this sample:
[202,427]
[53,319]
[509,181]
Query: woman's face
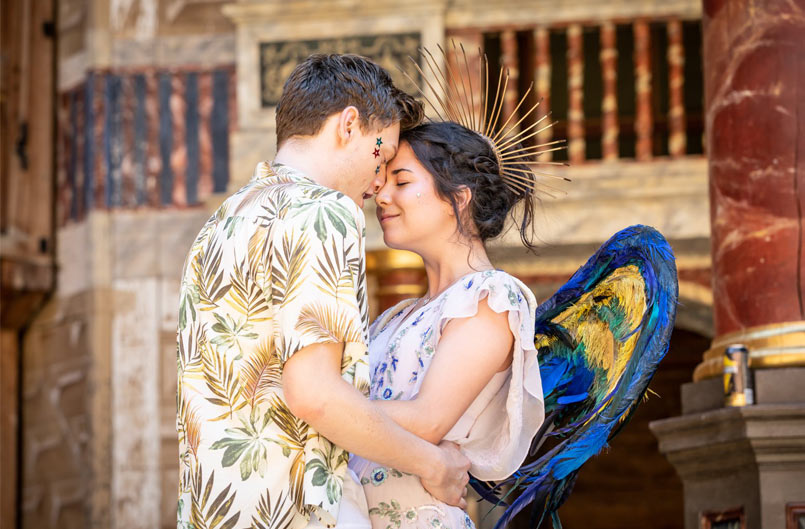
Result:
[413,216]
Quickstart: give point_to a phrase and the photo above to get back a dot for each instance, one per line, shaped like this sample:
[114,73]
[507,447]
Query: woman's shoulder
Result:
[500,285]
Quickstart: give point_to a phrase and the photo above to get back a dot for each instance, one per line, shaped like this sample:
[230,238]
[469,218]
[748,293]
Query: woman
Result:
[458,364]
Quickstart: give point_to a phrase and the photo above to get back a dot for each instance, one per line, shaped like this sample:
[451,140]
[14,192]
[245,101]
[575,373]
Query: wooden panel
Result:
[9,425]
[26,207]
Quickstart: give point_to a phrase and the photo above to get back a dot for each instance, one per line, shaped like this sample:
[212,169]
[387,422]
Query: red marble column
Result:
[754,66]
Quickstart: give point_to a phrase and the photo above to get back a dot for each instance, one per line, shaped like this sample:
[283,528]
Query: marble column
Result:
[747,465]
[754,73]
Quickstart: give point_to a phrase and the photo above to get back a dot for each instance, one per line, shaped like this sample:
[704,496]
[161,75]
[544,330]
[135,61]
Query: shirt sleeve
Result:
[317,279]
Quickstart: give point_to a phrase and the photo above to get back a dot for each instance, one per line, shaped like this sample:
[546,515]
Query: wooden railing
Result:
[618,89]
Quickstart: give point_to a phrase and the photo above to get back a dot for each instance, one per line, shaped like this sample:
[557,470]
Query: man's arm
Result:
[470,352]
[315,392]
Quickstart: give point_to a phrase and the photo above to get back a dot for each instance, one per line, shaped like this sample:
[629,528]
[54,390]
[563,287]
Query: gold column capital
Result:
[770,346]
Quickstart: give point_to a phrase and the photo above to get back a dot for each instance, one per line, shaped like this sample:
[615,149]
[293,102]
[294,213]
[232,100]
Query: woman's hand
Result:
[448,482]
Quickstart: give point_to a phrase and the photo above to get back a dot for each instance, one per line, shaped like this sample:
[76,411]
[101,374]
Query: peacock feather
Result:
[600,339]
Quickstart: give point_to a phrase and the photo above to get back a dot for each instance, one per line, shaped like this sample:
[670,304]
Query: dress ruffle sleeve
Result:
[495,433]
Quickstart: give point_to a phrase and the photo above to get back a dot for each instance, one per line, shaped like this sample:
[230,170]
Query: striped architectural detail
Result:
[147,138]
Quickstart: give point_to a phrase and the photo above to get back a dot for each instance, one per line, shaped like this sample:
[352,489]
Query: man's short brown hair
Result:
[323,85]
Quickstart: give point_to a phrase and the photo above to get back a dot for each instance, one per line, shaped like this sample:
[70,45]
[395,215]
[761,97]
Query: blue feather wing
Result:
[600,339]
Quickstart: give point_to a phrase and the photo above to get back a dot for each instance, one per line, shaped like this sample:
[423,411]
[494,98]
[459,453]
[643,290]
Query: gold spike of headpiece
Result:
[453,100]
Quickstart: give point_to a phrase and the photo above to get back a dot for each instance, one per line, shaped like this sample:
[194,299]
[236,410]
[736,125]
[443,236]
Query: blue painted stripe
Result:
[72,166]
[219,123]
[111,140]
[191,137]
[165,139]
[89,143]
[140,140]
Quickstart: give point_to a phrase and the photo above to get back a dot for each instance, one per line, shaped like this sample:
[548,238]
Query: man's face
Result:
[368,153]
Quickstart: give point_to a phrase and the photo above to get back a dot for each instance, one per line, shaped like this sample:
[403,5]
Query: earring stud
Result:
[418,195]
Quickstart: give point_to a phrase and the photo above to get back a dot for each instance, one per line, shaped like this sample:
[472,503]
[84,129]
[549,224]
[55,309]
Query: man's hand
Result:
[448,482]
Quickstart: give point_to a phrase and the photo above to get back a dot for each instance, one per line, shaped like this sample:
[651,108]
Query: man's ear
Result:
[347,124]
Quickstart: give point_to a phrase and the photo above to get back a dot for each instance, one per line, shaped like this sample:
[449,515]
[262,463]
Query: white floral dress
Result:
[494,433]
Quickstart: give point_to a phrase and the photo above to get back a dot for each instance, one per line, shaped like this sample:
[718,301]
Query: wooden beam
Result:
[509,62]
[542,81]
[469,84]
[9,425]
[609,103]
[575,80]
[644,124]
[677,139]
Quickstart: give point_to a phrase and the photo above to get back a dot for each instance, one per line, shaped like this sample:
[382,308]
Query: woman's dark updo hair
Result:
[457,157]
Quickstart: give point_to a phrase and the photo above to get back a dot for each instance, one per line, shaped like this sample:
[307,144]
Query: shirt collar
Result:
[275,170]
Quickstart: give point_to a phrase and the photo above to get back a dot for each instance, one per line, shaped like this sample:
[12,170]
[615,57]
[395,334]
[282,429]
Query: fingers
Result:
[463,504]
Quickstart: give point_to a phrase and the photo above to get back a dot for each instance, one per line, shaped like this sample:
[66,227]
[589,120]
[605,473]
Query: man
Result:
[273,323]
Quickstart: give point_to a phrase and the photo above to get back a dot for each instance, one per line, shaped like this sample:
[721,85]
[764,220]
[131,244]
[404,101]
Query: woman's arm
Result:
[470,352]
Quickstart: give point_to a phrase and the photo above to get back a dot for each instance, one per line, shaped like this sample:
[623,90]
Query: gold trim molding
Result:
[385,260]
[402,290]
[770,346]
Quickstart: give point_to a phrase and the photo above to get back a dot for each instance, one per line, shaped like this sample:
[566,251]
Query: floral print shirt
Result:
[278,267]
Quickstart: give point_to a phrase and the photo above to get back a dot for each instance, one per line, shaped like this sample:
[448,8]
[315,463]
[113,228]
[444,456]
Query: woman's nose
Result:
[382,197]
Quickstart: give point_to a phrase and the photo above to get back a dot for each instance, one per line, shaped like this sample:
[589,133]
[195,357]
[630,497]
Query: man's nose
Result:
[379,181]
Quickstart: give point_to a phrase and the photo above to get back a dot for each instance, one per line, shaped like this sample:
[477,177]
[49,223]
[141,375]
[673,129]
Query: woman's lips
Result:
[384,218]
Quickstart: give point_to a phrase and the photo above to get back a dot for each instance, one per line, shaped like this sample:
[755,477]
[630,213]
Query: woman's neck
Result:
[451,262]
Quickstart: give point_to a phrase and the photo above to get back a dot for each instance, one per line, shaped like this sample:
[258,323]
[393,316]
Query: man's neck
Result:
[301,155]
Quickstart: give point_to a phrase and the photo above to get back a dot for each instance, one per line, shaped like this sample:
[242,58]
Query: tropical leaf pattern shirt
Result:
[278,267]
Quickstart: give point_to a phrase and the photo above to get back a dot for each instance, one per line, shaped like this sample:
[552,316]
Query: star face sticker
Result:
[376,152]
[379,142]
[377,170]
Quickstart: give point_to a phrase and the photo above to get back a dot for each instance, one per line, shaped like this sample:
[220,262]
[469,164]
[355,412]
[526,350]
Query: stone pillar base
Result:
[746,463]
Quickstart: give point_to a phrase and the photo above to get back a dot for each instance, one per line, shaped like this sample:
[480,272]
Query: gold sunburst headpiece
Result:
[456,102]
